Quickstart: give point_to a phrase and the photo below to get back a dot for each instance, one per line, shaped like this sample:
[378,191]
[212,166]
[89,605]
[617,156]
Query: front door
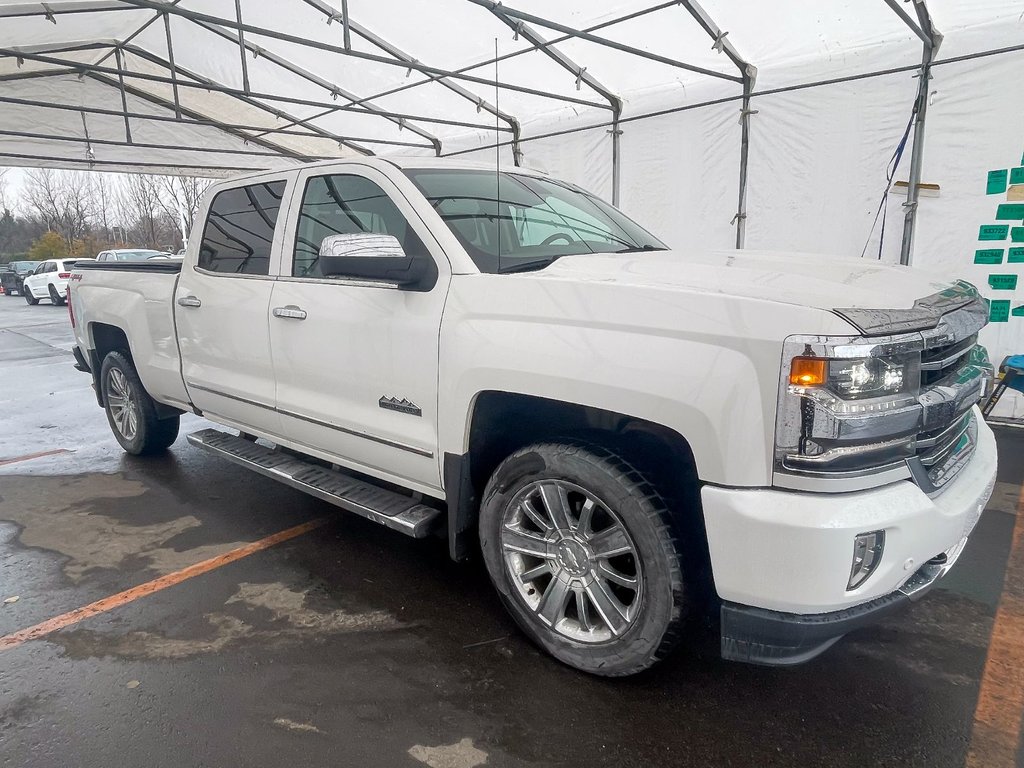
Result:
[356,361]
[222,305]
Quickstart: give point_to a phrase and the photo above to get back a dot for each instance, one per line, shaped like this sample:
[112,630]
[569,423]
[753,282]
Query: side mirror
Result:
[368,256]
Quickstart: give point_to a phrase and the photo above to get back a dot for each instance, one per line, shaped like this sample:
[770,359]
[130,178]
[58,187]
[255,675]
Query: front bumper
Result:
[781,560]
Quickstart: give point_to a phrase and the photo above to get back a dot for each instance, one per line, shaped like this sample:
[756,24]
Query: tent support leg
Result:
[124,96]
[916,157]
[170,61]
[932,40]
[241,47]
[616,133]
[740,218]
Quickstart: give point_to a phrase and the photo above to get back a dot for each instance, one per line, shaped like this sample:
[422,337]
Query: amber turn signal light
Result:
[808,371]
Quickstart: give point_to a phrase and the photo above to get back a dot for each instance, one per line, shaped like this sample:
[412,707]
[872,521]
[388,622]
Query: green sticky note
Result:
[1018,311]
[1017,234]
[1017,175]
[989,256]
[1002,282]
[1015,256]
[993,231]
[998,310]
[996,182]
[1010,211]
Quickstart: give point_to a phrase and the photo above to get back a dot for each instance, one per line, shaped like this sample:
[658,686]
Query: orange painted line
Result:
[38,455]
[995,739]
[148,588]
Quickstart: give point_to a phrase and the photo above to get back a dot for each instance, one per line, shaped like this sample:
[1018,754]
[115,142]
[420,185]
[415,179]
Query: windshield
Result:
[510,222]
[22,267]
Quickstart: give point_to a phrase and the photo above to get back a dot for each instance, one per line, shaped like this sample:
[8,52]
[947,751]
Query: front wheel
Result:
[131,412]
[581,549]
[55,297]
[29,298]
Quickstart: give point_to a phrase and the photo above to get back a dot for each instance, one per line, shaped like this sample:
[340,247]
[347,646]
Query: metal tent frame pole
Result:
[327,48]
[932,39]
[400,120]
[748,74]
[530,48]
[479,102]
[522,29]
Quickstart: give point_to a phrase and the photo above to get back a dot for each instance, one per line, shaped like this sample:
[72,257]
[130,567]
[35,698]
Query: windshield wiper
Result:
[639,248]
[526,266]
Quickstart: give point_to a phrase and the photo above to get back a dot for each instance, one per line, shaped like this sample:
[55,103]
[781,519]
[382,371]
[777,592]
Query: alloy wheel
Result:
[572,561]
[123,406]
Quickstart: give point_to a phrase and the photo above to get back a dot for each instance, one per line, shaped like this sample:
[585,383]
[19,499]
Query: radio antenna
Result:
[497,160]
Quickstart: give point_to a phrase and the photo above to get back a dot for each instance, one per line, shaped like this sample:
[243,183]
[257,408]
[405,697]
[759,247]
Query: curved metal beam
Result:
[316,45]
[524,30]
[478,101]
[496,7]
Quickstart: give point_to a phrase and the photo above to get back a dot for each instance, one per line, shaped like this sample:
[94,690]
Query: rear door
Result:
[356,360]
[222,305]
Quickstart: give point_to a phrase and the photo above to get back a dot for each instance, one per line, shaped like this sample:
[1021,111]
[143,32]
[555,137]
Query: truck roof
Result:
[382,163]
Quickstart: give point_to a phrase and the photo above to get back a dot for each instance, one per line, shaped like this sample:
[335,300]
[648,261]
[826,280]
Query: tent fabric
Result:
[836,82]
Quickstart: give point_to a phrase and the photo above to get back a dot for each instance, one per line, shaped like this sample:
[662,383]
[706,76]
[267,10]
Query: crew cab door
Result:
[356,360]
[222,305]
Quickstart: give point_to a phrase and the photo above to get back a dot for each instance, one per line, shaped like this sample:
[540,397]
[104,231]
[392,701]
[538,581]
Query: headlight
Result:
[858,378]
[847,408]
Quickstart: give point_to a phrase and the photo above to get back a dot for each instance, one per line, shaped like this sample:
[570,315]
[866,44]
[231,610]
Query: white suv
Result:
[49,280]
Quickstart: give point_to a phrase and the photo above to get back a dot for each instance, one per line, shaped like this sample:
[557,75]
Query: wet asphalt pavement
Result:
[351,645]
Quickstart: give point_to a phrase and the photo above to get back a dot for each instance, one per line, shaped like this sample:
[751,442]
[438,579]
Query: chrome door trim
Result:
[318,422]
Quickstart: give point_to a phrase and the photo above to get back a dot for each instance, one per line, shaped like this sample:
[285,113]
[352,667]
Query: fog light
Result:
[867,554]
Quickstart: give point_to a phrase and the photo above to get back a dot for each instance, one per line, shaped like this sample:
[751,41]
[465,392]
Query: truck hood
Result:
[875,298]
[806,280]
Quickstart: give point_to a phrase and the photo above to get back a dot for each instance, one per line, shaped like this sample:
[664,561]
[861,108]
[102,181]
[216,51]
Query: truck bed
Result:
[137,295]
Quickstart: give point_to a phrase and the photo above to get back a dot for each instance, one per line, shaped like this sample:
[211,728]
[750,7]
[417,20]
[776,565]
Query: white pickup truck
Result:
[621,430]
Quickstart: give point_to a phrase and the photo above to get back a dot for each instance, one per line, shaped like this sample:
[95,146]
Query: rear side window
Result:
[240,229]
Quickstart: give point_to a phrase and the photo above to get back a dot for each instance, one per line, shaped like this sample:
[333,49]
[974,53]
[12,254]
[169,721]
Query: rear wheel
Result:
[131,412]
[32,300]
[55,297]
[581,549]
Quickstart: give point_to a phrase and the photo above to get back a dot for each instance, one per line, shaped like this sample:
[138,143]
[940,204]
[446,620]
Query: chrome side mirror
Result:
[369,256]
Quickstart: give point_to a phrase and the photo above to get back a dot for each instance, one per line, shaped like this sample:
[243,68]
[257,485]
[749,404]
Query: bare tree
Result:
[62,200]
[179,199]
[140,207]
[3,190]
[104,194]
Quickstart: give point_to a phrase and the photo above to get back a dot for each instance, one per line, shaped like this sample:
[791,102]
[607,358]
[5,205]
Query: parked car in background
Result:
[130,254]
[49,280]
[13,274]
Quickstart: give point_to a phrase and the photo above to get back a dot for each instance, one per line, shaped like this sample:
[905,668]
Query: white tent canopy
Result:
[720,123]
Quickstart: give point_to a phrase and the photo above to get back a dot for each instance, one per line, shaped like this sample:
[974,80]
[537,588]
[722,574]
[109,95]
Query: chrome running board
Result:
[394,510]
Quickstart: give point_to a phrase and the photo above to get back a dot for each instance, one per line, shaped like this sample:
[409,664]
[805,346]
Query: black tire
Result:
[585,471]
[148,434]
[56,298]
[29,298]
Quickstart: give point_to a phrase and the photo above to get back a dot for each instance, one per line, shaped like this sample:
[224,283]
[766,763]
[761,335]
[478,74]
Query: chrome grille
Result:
[939,362]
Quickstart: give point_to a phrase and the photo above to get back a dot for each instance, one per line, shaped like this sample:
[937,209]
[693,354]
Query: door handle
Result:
[290,312]
[189,301]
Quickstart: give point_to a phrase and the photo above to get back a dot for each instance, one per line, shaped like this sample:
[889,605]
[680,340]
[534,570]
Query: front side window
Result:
[240,229]
[510,222]
[345,204]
